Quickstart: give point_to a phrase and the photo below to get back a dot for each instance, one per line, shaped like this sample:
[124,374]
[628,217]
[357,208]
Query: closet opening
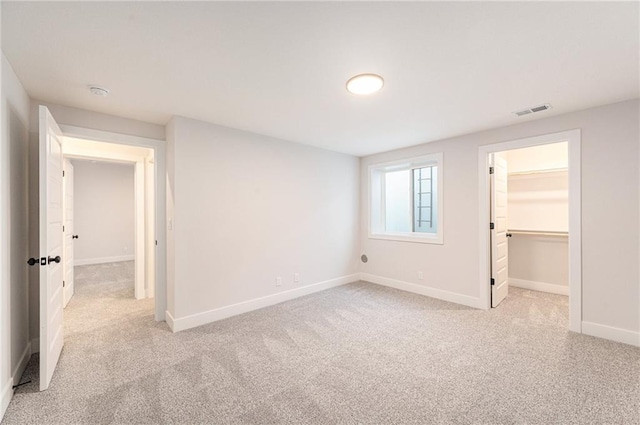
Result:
[530,211]
[530,208]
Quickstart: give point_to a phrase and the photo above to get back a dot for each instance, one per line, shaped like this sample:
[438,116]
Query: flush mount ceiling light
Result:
[365,84]
[99,91]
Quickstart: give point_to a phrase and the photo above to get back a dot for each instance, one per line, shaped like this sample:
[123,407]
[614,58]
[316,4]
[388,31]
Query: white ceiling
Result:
[280,69]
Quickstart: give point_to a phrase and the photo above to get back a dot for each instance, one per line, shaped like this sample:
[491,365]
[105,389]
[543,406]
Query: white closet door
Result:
[499,245]
[68,232]
[51,246]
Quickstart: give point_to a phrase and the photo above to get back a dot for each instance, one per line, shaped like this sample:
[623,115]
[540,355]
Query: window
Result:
[406,200]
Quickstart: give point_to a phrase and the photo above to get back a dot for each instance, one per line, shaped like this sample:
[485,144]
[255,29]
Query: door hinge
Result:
[490,170]
[62,173]
[63,228]
[492,226]
[156,242]
[493,281]
[63,284]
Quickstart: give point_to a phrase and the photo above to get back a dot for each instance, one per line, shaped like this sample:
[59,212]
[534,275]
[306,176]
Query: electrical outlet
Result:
[420,275]
[296,278]
[278,281]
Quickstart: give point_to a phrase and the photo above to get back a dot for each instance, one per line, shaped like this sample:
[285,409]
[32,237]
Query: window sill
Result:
[408,237]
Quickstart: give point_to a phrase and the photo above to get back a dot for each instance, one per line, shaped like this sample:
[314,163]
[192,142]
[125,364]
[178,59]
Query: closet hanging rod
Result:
[550,170]
[537,232]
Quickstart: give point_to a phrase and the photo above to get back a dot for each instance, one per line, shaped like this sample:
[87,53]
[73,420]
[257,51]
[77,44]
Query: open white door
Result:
[69,237]
[51,246]
[499,245]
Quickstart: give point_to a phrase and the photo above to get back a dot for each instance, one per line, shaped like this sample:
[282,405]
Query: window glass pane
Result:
[398,201]
[425,199]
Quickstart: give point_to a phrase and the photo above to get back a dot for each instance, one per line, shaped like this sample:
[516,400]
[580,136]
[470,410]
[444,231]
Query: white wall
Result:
[553,156]
[104,214]
[249,208]
[610,162]
[14,300]
[539,261]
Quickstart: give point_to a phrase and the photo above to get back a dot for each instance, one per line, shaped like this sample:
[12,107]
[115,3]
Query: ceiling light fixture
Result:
[99,91]
[365,84]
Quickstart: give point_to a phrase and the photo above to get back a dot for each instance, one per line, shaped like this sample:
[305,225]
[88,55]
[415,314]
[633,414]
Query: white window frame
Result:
[376,199]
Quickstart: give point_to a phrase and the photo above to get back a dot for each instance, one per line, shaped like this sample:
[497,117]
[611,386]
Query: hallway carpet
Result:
[358,353]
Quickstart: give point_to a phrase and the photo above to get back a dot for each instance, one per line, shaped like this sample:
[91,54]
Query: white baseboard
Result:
[102,260]
[22,364]
[191,321]
[35,345]
[170,320]
[440,294]
[6,392]
[5,396]
[539,286]
[609,332]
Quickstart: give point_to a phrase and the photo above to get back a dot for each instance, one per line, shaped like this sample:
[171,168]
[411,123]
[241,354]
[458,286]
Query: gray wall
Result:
[610,219]
[249,208]
[104,212]
[14,301]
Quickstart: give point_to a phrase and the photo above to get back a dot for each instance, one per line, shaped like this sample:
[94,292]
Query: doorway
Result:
[156,175]
[99,207]
[528,223]
[56,142]
[530,212]
[117,180]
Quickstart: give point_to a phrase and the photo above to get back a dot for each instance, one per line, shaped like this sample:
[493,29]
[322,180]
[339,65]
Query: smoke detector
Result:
[99,91]
[533,110]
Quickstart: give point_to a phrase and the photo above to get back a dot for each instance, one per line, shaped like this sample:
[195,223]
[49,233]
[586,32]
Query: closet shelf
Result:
[538,232]
[526,173]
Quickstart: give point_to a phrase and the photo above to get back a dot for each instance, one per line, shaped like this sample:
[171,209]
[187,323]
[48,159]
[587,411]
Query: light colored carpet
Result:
[359,353]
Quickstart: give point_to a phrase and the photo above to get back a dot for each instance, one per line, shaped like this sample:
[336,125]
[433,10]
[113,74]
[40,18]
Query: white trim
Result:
[551,288]
[5,398]
[609,332]
[14,379]
[35,345]
[408,237]
[159,155]
[375,227]
[109,137]
[198,319]
[102,260]
[170,320]
[575,232]
[439,294]
[140,239]
[22,364]
[83,148]
[575,214]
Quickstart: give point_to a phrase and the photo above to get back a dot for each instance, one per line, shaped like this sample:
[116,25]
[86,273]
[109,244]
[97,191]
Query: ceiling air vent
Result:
[528,111]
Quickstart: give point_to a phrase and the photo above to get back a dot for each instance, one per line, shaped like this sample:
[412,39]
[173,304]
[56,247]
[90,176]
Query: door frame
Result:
[573,138]
[159,154]
[68,176]
[141,236]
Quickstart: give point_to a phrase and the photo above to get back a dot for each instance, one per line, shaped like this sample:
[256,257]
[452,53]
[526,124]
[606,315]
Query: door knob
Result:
[33,261]
[74,237]
[54,259]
